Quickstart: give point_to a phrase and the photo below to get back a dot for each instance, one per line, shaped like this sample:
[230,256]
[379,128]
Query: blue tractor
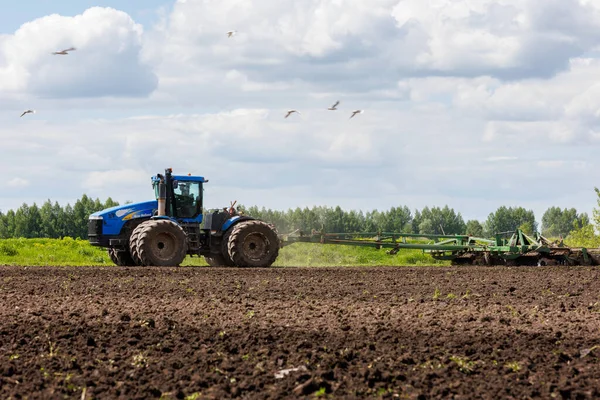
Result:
[164,231]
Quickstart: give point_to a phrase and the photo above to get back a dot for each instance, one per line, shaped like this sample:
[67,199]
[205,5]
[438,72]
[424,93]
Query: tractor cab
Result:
[182,195]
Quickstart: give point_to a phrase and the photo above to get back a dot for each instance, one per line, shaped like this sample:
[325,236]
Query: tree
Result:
[353,222]
[595,211]
[585,235]
[398,219]
[528,227]
[108,204]
[3,226]
[427,226]
[370,224]
[27,221]
[8,225]
[557,222]
[62,219]
[416,221]
[48,222]
[507,219]
[474,228]
[336,220]
[81,212]
[438,221]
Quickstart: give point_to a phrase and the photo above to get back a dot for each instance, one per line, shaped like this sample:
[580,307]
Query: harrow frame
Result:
[508,248]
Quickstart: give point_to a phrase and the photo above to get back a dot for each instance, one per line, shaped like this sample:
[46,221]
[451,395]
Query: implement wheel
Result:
[252,244]
[160,242]
[121,258]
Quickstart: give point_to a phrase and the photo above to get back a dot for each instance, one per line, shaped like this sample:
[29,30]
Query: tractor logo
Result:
[120,213]
[137,214]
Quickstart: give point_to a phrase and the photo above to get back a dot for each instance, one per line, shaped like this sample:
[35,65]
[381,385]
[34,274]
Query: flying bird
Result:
[28,112]
[356,112]
[290,112]
[333,107]
[231,33]
[65,51]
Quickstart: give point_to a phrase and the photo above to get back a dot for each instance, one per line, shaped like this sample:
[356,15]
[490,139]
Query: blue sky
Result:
[15,13]
[470,104]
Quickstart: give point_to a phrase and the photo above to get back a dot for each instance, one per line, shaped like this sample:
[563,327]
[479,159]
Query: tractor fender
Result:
[165,217]
[235,220]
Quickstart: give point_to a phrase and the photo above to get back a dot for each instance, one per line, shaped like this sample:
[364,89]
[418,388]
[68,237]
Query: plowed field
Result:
[426,332]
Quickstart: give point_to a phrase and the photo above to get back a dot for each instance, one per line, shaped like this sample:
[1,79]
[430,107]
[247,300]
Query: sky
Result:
[470,104]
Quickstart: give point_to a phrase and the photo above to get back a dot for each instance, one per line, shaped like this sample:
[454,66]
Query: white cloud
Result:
[241,80]
[106,62]
[510,38]
[358,42]
[474,104]
[113,179]
[550,163]
[501,158]
[17,183]
[526,132]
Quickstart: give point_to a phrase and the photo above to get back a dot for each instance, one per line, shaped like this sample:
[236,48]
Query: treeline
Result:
[51,220]
[54,221]
[435,220]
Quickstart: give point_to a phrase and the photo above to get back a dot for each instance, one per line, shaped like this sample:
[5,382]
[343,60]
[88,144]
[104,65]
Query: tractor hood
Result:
[114,218]
[127,211]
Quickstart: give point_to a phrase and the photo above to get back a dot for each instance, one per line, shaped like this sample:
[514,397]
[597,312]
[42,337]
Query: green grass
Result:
[320,255]
[29,252]
[65,251]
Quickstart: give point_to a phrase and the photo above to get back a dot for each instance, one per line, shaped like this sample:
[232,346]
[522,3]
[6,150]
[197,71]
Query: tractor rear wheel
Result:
[121,258]
[160,242]
[252,244]
[223,259]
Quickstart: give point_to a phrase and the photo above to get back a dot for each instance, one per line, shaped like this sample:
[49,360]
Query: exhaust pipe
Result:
[162,198]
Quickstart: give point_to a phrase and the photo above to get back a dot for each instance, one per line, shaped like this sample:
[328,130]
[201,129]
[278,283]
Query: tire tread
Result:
[234,247]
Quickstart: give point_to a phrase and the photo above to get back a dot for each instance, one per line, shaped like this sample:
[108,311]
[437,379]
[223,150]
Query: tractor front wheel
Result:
[133,244]
[252,244]
[121,258]
[160,242]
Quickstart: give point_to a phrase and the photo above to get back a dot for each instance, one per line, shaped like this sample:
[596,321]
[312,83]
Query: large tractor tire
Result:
[121,258]
[252,244]
[133,244]
[221,260]
[160,242]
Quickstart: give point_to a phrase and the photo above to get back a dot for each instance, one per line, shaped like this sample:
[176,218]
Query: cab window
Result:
[188,199]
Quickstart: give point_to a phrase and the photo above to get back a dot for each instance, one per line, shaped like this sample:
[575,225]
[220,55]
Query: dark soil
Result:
[177,333]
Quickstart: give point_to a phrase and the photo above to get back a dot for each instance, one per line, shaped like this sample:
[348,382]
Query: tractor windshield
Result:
[188,199]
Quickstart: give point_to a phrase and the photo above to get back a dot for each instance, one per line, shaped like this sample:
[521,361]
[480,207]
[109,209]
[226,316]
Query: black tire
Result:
[121,258]
[252,244]
[218,261]
[160,243]
[221,260]
[113,256]
[224,258]
[133,244]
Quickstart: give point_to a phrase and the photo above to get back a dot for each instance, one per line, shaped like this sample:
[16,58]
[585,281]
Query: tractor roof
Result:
[183,178]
